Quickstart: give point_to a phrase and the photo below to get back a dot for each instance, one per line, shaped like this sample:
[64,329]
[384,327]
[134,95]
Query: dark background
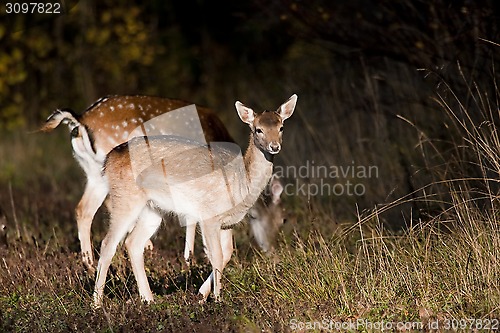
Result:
[369,76]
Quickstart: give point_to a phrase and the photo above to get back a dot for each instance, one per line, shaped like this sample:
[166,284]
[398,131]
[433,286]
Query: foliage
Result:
[86,50]
[423,34]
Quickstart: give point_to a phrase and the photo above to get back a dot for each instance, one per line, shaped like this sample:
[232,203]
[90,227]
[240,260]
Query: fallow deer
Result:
[205,184]
[267,216]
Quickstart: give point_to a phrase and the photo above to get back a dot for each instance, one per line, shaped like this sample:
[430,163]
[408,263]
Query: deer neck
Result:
[259,168]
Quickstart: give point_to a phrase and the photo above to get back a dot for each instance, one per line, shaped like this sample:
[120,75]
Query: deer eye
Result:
[281,129]
[258,131]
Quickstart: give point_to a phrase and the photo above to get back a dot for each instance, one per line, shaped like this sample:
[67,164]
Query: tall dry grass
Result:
[443,267]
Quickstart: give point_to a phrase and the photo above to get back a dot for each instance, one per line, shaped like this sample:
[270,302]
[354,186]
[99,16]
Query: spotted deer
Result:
[210,185]
[104,125]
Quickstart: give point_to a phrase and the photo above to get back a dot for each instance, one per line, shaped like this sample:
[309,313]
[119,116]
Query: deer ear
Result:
[246,114]
[286,109]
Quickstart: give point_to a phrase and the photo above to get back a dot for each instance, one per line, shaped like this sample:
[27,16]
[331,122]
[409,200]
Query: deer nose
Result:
[274,147]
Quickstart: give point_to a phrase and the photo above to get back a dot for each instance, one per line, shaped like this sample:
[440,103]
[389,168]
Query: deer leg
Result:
[226,237]
[148,223]
[212,238]
[189,244]
[149,245]
[93,197]
[120,224]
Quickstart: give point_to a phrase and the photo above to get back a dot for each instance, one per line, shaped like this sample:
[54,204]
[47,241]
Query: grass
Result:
[422,275]
[440,268]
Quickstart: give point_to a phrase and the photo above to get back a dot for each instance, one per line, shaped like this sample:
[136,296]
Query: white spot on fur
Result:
[120,106]
[124,123]
[112,141]
[112,108]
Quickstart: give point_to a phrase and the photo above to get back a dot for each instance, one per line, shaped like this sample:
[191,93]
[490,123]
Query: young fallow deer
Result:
[211,185]
[104,125]
[267,216]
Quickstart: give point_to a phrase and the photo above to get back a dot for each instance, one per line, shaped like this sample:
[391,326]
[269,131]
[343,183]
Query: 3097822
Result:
[472,324]
[33,8]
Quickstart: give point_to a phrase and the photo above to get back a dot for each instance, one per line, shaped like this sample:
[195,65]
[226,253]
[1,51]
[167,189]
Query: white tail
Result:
[104,125]
[204,184]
